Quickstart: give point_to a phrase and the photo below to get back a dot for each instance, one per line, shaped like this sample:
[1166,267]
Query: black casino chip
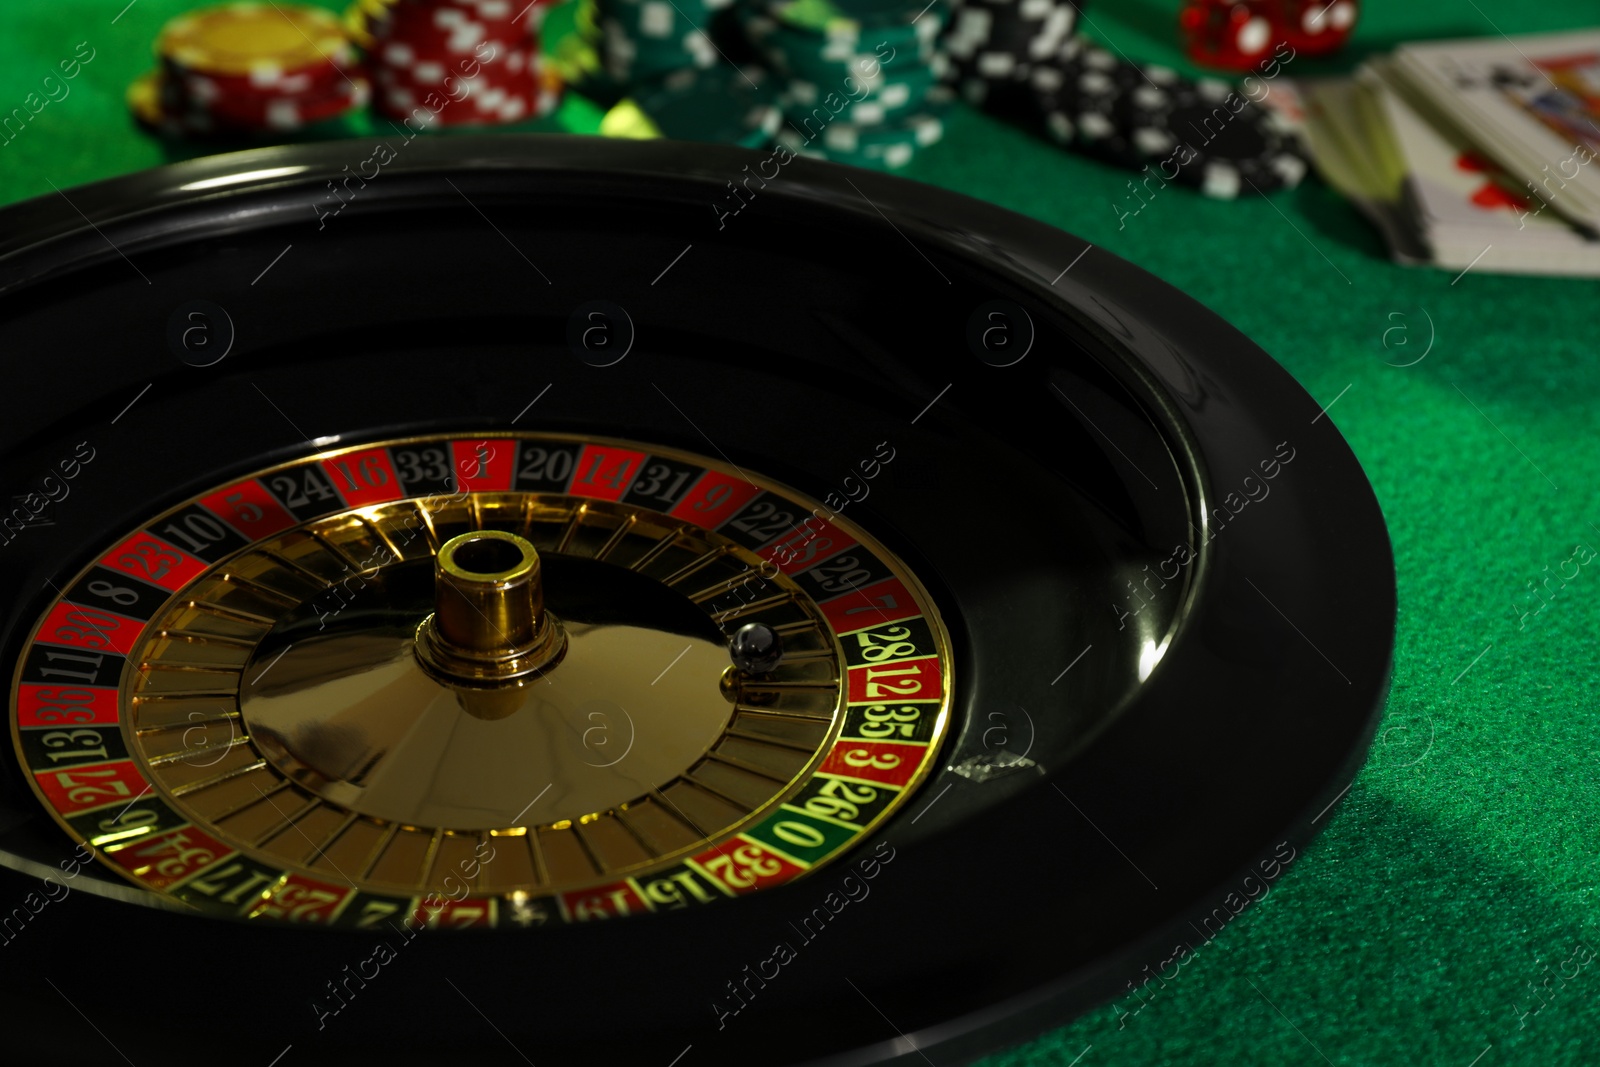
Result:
[1204,134]
[1023,60]
[1095,86]
[996,43]
[1056,91]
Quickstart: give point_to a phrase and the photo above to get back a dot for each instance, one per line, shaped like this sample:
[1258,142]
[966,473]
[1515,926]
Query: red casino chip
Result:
[456,26]
[515,88]
[397,61]
[249,69]
[459,62]
[205,86]
[240,112]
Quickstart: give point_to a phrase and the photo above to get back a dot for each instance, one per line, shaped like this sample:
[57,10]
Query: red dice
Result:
[1241,34]
[1233,34]
[1318,27]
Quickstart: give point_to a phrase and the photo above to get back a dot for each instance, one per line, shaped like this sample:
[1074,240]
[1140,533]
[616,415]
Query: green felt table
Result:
[1460,870]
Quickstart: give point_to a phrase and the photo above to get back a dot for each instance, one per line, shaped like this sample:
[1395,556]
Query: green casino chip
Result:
[722,104]
[891,98]
[882,146]
[643,39]
[900,20]
[828,61]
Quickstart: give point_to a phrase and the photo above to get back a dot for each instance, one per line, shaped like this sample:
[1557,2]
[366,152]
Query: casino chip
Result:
[1056,90]
[249,69]
[263,41]
[890,99]
[811,54]
[860,79]
[1141,116]
[1022,59]
[856,22]
[640,40]
[1094,82]
[358,15]
[1192,128]
[886,145]
[996,43]
[440,63]
[722,104]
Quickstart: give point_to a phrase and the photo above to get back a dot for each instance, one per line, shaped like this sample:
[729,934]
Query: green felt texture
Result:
[1462,864]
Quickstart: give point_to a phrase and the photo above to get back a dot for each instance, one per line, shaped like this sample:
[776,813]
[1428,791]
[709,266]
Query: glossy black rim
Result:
[1001,914]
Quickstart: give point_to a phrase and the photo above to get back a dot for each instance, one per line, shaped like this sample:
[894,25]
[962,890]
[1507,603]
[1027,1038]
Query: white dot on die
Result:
[1254,36]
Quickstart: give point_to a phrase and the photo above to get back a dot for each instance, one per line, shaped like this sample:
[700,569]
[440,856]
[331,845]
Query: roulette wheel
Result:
[561,601]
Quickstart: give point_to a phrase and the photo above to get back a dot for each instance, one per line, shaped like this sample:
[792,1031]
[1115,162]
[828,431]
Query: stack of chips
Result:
[249,69]
[861,78]
[723,104]
[641,40]
[1148,118]
[456,62]
[1023,59]
[996,44]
